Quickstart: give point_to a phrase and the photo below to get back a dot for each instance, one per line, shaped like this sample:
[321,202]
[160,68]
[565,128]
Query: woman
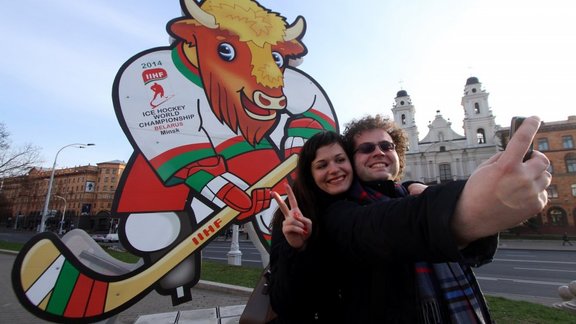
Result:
[303,285]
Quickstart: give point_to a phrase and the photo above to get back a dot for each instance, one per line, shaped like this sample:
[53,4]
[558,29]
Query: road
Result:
[531,275]
[15,236]
[217,251]
[526,273]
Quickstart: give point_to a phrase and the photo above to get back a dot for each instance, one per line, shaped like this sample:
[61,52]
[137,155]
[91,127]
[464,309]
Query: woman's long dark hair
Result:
[311,199]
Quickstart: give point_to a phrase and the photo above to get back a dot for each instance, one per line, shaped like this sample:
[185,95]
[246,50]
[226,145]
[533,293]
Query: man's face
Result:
[378,164]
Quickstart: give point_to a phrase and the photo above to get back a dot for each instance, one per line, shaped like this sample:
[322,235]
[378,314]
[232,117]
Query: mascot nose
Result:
[267,102]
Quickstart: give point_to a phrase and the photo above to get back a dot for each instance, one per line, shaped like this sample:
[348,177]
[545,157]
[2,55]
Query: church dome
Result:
[401,93]
[472,80]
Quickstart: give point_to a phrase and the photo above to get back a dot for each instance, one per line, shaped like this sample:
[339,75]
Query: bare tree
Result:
[16,161]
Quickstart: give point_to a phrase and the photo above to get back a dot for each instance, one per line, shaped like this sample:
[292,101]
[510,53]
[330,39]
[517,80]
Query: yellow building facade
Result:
[84,193]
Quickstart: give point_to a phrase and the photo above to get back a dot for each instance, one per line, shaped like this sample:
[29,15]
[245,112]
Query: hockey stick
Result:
[53,284]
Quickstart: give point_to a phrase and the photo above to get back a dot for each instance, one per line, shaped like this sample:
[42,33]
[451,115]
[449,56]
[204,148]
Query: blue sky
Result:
[60,57]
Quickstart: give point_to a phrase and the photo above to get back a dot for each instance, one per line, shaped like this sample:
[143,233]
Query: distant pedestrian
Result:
[565,239]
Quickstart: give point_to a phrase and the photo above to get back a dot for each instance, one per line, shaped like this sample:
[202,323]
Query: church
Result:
[443,154]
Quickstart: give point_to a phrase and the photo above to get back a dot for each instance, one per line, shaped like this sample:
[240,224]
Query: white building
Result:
[443,154]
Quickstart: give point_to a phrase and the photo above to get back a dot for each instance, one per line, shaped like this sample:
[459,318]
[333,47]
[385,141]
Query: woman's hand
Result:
[295,227]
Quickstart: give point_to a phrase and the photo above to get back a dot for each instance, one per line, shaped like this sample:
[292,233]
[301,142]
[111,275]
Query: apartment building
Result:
[83,195]
[556,140]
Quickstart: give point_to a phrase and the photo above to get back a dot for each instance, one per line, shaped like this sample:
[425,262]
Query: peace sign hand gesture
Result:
[295,227]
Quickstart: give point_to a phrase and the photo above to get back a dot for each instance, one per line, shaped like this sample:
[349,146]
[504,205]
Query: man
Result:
[390,272]
[565,239]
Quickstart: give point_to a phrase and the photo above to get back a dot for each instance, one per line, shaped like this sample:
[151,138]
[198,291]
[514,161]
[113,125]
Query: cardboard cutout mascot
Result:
[216,121]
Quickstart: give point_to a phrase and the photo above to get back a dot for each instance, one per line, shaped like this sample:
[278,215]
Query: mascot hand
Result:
[259,201]
[299,130]
[293,145]
[227,189]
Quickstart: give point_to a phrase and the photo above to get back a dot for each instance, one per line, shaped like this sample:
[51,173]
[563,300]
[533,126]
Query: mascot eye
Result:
[226,52]
[278,59]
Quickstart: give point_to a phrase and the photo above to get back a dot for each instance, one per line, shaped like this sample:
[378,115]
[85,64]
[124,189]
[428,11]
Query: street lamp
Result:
[42,227]
[63,214]
[235,255]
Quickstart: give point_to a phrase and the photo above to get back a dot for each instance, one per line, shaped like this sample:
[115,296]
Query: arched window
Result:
[481,136]
[557,216]
[403,119]
[476,107]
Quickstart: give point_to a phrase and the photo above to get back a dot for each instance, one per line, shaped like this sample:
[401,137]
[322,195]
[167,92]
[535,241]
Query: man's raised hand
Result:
[504,191]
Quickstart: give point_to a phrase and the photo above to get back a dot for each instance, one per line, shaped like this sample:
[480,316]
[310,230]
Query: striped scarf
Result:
[448,292]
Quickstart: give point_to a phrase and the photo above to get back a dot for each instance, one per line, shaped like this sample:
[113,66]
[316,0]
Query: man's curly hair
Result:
[357,126]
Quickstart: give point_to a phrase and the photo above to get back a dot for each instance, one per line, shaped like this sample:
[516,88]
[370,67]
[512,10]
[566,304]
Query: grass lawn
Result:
[503,310]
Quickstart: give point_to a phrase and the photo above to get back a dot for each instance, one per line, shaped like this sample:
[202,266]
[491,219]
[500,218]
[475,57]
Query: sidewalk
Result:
[211,303]
[205,295]
[522,244]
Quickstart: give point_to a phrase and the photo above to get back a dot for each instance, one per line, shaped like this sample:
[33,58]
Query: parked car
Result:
[106,238]
[111,237]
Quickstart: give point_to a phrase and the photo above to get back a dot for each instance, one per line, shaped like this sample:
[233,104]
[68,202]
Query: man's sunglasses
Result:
[366,148]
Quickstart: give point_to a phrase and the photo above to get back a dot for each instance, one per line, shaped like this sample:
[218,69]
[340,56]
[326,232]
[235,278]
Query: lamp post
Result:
[42,227]
[235,255]
[63,214]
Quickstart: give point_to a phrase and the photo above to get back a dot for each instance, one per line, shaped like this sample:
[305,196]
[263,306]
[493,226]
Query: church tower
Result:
[404,115]
[444,155]
[479,123]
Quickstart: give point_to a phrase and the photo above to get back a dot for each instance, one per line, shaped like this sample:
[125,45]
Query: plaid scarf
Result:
[448,292]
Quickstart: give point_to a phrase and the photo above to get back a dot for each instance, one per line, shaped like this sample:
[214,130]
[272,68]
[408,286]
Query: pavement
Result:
[206,296]
[211,302]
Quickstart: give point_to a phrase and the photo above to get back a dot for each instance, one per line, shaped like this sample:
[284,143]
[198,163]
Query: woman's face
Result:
[331,169]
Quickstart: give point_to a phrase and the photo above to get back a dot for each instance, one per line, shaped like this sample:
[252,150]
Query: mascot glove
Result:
[239,200]
[293,145]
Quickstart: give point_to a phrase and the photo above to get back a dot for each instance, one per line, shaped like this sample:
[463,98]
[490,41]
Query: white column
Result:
[235,255]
